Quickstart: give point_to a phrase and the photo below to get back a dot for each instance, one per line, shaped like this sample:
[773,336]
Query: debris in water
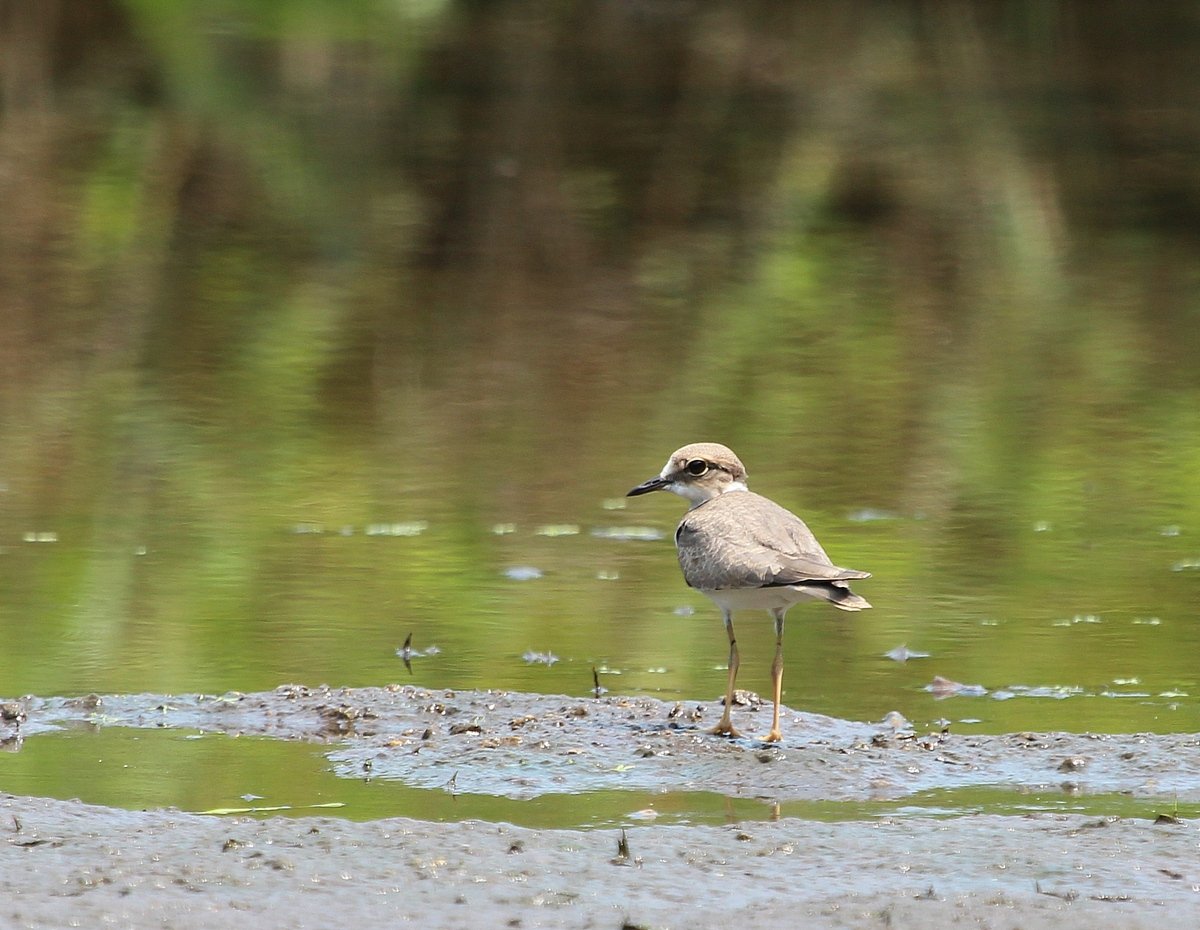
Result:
[523,573]
[539,658]
[408,653]
[623,846]
[1057,692]
[869,515]
[557,529]
[275,808]
[411,528]
[623,858]
[902,654]
[13,712]
[1078,618]
[944,687]
[596,686]
[627,533]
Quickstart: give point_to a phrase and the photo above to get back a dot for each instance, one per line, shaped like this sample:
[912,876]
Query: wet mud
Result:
[64,862]
[523,745]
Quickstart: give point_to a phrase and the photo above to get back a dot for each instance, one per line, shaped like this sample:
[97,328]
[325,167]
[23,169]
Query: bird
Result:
[744,551]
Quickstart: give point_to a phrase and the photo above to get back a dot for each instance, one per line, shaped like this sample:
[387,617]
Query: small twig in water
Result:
[406,653]
[1062,895]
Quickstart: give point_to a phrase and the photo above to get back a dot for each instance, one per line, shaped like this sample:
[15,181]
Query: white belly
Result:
[773,598]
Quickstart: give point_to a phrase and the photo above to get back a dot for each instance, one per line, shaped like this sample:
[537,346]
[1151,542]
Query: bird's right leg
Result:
[725,727]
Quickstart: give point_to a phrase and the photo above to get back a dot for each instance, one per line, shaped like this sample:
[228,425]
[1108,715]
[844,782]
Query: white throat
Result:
[697,495]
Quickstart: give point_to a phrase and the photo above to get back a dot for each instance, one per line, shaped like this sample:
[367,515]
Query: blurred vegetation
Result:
[347,262]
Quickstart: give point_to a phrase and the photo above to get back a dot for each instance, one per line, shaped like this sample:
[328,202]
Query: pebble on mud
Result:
[12,711]
[86,702]
[743,698]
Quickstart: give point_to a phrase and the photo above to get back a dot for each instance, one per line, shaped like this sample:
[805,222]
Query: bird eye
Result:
[696,467]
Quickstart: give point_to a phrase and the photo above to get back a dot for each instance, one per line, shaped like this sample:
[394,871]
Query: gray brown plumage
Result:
[744,551]
[746,541]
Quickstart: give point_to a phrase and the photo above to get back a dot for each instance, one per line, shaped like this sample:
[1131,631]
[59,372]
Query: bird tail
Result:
[839,596]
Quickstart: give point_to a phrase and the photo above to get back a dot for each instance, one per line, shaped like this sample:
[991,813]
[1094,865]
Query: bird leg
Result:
[776,677]
[725,727]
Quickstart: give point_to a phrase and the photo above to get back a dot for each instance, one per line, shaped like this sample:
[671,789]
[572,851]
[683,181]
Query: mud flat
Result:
[64,863]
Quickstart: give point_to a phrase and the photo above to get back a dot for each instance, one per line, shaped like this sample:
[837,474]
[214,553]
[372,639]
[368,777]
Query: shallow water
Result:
[211,773]
[330,612]
[298,367]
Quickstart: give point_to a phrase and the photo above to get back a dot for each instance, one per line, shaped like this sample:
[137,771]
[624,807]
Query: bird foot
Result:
[725,728]
[773,737]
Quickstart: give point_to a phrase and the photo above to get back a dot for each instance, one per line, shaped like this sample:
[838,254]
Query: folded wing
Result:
[719,547]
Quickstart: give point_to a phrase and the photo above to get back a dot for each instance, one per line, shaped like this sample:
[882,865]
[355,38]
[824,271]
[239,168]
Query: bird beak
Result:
[658,482]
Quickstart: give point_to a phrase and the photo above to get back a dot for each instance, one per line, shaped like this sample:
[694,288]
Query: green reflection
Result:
[202,772]
[334,265]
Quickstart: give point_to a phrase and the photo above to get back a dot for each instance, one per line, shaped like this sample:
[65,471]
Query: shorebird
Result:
[746,552]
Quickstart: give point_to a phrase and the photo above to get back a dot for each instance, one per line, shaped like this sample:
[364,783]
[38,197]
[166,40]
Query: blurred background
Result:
[324,323]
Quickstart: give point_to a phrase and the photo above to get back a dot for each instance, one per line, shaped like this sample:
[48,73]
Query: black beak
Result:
[646,487]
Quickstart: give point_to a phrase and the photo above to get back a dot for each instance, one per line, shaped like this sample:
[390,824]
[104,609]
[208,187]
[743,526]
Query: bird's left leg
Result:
[776,676]
[726,727]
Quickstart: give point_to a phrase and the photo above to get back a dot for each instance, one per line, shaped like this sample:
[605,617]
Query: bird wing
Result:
[720,546]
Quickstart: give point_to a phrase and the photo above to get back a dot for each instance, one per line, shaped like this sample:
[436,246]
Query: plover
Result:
[746,552]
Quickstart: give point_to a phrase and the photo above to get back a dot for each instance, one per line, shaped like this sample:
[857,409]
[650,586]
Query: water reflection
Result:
[322,330]
[219,775]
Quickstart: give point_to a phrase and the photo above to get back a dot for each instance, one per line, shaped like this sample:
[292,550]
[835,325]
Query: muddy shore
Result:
[64,862]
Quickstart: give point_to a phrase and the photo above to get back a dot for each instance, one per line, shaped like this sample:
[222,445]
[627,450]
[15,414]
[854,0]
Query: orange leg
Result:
[726,727]
[776,677]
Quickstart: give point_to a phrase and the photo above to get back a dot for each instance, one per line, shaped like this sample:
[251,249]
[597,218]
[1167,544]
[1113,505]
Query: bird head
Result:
[699,472]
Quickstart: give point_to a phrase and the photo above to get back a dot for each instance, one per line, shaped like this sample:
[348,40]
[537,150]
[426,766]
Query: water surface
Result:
[327,326]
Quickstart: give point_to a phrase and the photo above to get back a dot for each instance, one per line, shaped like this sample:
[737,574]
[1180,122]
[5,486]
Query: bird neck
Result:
[711,494]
